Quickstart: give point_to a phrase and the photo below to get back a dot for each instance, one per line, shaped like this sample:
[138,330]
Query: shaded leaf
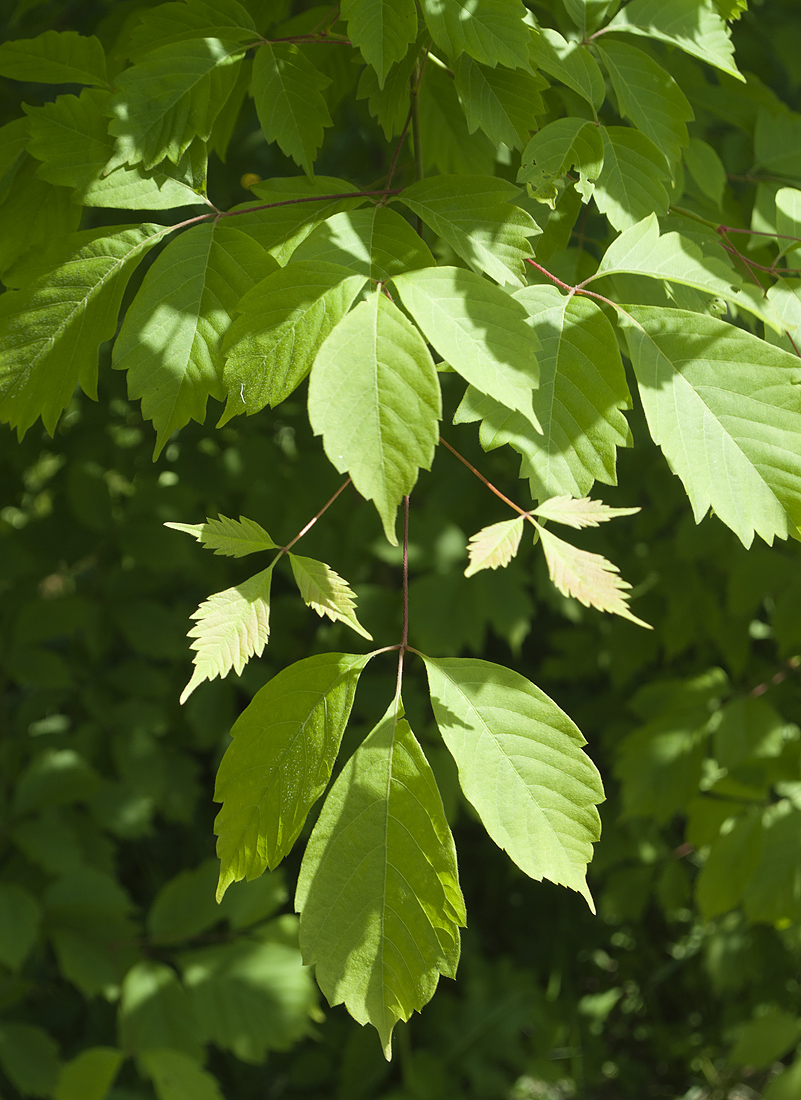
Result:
[55,57]
[89,1075]
[504,103]
[495,545]
[557,148]
[388,102]
[569,62]
[291,110]
[231,537]
[381,30]
[632,183]
[29,1058]
[172,24]
[326,592]
[176,1076]
[491,31]
[695,26]
[706,168]
[20,917]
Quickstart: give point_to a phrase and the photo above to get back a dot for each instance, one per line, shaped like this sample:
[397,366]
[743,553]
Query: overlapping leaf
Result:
[578,403]
[231,627]
[382,30]
[447,144]
[478,220]
[55,57]
[171,341]
[521,765]
[285,320]
[706,168]
[695,26]
[374,397]
[173,96]
[51,331]
[725,407]
[376,242]
[291,110]
[569,62]
[504,103]
[378,890]
[326,592]
[232,537]
[478,328]
[173,23]
[284,746]
[561,145]
[389,102]
[632,183]
[494,547]
[35,219]
[491,31]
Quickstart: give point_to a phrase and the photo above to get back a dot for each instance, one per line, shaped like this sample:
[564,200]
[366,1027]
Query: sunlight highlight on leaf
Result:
[494,546]
[326,592]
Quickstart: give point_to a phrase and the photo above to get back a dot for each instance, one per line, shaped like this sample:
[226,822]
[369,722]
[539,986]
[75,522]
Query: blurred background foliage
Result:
[119,975]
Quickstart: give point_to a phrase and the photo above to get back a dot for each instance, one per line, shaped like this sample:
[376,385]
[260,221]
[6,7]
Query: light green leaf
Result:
[377,243]
[578,403]
[495,545]
[291,110]
[552,152]
[580,513]
[479,329]
[503,102]
[70,136]
[286,318]
[491,31]
[589,578]
[649,96]
[279,762]
[173,96]
[326,592]
[374,397]
[788,219]
[51,331]
[381,30]
[172,24]
[569,62]
[55,57]
[521,765]
[631,185]
[89,1075]
[232,626]
[28,1058]
[176,1076]
[589,14]
[232,537]
[20,917]
[378,890]
[695,26]
[478,220]
[388,103]
[706,168]
[171,340]
[725,407]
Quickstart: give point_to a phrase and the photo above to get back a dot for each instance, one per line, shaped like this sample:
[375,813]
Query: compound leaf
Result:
[378,891]
[491,31]
[521,765]
[725,407]
[382,30]
[374,397]
[279,762]
[326,592]
[55,57]
[291,110]
[695,26]
[494,546]
[579,513]
[231,627]
[232,537]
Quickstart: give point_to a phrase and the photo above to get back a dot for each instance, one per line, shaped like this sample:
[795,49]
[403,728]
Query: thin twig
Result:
[481,477]
[314,519]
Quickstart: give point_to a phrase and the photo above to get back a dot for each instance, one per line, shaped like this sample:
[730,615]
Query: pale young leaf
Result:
[495,545]
[232,626]
[326,592]
[579,513]
[589,578]
[232,537]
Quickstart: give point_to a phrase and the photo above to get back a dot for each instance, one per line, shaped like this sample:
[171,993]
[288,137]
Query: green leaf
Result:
[381,30]
[504,103]
[89,1075]
[448,147]
[777,140]
[589,14]
[774,892]
[231,627]
[55,57]
[33,216]
[286,318]
[374,397]
[185,906]
[233,537]
[649,96]
[521,765]
[725,407]
[377,243]
[20,917]
[70,136]
[378,890]
[706,169]
[326,592]
[279,762]
[569,62]
[578,403]
[494,546]
[478,328]
[388,102]
[766,1039]
[171,341]
[29,1059]
[50,332]
[788,218]
[155,1013]
[695,26]
[557,148]
[173,24]
[631,185]
[291,110]
[176,1076]
[173,96]
[491,31]
[730,865]
[589,578]
[477,219]
[580,513]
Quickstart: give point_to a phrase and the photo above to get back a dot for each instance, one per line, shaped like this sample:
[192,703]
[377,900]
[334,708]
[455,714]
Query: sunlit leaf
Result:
[232,537]
[494,546]
[326,592]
